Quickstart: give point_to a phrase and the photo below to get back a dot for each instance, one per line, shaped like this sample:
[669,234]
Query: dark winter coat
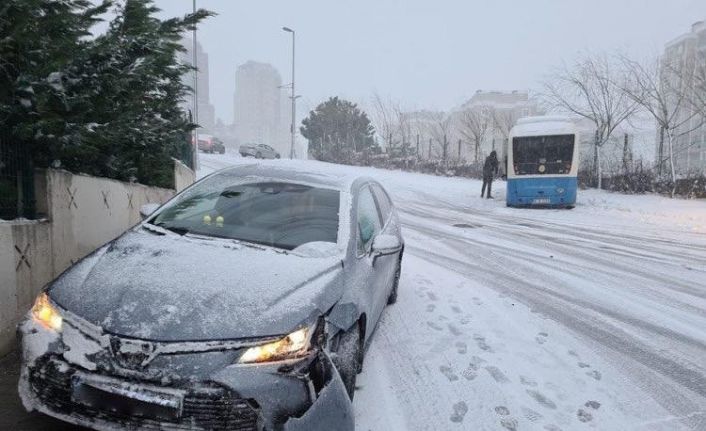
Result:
[490,167]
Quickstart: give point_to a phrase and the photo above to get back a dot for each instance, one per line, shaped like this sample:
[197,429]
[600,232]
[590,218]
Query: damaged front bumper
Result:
[79,379]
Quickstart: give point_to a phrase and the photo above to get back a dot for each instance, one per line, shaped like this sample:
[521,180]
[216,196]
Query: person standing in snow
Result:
[490,170]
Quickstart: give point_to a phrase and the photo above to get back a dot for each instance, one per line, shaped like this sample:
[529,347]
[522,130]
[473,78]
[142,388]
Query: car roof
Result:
[295,172]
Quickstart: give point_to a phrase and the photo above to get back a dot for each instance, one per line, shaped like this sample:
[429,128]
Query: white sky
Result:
[427,54]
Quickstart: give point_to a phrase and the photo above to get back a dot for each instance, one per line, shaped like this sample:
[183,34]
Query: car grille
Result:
[211,408]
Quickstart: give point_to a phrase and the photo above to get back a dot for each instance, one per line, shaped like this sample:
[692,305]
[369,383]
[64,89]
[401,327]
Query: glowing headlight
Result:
[291,346]
[45,314]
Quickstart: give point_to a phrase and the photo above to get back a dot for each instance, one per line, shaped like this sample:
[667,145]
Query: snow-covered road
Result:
[593,318]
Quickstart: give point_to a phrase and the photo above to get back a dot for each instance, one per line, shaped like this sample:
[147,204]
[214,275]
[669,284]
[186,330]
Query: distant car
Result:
[245,302]
[259,151]
[211,144]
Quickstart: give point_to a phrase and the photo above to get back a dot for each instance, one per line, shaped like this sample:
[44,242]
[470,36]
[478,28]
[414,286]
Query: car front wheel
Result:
[348,358]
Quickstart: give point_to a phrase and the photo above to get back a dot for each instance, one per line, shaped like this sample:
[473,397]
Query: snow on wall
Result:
[82,213]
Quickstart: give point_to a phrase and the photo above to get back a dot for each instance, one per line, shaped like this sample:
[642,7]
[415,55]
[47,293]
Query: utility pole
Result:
[429,148]
[418,155]
[459,150]
[294,93]
[195,159]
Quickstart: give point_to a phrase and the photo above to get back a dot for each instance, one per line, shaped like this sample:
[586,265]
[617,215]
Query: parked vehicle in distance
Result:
[245,302]
[542,163]
[259,151]
[211,144]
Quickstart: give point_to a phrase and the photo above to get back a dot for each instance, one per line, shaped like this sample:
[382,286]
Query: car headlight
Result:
[44,313]
[560,190]
[293,345]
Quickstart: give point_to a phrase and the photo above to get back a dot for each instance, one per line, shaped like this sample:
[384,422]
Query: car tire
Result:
[395,283]
[277,156]
[348,358]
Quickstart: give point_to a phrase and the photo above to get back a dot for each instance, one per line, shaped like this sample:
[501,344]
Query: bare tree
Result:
[592,90]
[440,130]
[663,90]
[504,120]
[384,120]
[698,95]
[474,125]
[404,130]
[393,124]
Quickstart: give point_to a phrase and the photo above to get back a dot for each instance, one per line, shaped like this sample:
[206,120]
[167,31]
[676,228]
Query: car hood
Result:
[165,287]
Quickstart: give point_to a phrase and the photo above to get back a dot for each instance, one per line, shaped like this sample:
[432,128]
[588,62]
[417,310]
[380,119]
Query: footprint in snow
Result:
[496,374]
[456,309]
[480,341]
[595,405]
[502,410]
[461,347]
[531,415]
[528,382]
[471,372]
[454,330]
[430,308]
[541,338]
[594,374]
[584,365]
[509,424]
[466,319]
[542,399]
[459,412]
[432,296]
[435,326]
[552,427]
[477,301]
[584,416]
[448,372]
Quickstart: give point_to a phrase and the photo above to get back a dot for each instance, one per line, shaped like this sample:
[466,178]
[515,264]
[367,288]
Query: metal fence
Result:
[17,199]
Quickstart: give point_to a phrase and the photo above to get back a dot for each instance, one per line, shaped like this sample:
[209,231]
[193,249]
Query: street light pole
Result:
[294,94]
[196,100]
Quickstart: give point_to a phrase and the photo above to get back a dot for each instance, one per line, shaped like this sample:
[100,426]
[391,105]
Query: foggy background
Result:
[427,54]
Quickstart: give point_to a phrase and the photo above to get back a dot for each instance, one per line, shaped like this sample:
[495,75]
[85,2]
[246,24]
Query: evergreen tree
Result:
[38,40]
[337,130]
[106,106]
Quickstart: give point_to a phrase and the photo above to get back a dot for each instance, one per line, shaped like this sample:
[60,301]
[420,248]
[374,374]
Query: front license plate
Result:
[127,399]
[541,201]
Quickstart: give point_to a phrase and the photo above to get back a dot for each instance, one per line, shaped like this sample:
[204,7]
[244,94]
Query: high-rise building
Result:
[258,106]
[207,113]
[686,51]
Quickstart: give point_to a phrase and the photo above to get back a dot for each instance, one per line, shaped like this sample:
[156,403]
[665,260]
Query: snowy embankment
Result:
[537,319]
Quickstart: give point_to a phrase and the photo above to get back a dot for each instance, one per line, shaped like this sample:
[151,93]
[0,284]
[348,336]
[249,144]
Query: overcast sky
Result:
[431,54]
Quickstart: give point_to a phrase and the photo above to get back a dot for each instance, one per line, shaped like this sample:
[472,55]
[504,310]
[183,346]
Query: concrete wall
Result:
[82,213]
[183,176]
[25,266]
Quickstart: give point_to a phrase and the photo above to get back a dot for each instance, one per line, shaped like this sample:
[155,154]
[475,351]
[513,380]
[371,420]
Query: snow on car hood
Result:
[173,288]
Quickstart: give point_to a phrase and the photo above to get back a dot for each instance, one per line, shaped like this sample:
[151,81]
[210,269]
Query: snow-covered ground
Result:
[509,319]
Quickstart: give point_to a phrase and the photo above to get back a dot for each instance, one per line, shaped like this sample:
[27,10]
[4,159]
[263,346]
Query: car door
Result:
[387,264]
[372,279]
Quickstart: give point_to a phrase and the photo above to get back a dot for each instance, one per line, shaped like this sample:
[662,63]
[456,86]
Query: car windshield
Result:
[277,214]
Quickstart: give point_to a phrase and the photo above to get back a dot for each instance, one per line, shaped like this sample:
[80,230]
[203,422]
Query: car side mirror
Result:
[386,244]
[147,210]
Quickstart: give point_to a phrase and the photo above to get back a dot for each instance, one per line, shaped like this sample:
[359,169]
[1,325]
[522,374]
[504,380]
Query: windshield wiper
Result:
[176,229]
